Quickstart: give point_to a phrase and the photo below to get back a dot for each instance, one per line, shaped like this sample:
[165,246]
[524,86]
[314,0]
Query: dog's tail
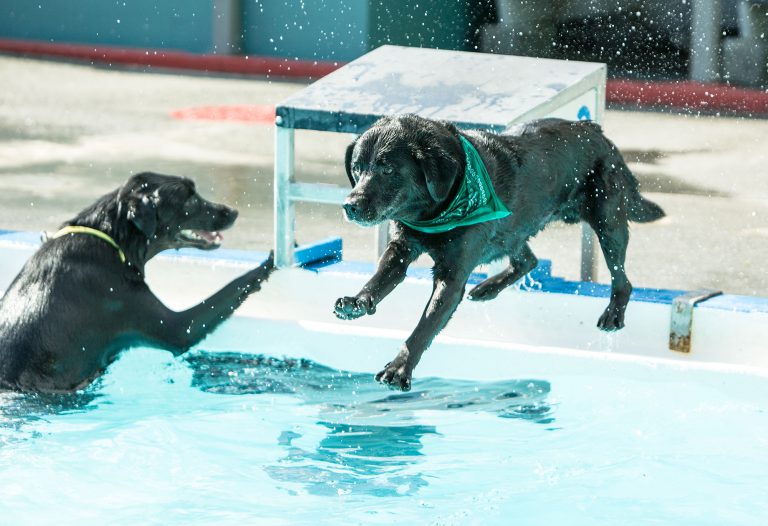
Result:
[645,211]
[639,209]
[616,171]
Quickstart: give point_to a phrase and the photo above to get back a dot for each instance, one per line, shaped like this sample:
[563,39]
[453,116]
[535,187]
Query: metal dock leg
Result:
[284,211]
[588,237]
[706,17]
[381,240]
[588,253]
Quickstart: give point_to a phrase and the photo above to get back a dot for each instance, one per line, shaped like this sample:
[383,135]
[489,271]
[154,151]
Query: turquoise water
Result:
[243,439]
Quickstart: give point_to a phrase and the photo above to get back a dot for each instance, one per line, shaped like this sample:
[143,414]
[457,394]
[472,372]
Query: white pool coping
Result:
[557,320]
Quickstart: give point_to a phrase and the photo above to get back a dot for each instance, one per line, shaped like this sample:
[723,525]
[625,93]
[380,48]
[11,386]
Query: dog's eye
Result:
[388,170]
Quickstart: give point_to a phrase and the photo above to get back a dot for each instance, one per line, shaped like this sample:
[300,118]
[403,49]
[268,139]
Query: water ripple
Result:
[371,443]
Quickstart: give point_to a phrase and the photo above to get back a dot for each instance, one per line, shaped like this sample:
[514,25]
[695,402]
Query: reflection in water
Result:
[372,443]
[236,374]
[359,459]
[20,411]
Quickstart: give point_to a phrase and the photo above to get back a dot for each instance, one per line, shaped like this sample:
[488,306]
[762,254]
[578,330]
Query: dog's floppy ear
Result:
[440,168]
[348,161]
[142,212]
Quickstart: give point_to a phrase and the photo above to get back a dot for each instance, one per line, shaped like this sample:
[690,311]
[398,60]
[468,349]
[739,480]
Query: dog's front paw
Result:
[260,274]
[352,307]
[269,263]
[266,268]
[396,374]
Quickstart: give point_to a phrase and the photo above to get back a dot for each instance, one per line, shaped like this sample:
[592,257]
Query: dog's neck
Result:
[105,215]
[471,201]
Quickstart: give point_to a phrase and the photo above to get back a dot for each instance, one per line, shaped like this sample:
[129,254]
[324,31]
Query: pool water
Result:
[230,438]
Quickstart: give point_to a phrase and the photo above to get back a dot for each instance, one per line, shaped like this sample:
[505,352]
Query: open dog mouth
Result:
[201,238]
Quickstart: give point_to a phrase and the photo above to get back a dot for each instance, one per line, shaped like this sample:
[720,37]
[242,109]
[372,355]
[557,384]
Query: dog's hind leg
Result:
[520,264]
[612,230]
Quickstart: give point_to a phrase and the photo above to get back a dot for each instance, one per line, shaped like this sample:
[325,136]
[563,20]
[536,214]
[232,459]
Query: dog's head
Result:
[168,212]
[402,168]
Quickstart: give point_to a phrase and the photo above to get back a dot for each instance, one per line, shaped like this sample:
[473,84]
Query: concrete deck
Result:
[69,133]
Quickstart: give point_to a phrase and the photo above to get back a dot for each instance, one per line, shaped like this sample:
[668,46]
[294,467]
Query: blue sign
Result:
[584,114]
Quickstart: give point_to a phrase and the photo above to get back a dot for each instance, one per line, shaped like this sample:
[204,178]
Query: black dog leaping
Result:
[81,298]
[468,198]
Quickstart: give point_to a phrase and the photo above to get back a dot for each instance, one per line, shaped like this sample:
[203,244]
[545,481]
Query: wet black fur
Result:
[74,306]
[409,168]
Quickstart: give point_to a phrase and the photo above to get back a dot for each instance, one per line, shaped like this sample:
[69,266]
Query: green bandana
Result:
[476,202]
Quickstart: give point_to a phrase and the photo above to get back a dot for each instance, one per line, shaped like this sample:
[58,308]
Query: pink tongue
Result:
[210,237]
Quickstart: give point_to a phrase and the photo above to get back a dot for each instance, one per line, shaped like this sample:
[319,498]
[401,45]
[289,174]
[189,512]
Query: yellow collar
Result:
[91,232]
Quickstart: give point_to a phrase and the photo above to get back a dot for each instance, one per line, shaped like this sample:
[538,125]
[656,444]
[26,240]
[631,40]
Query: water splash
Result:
[21,412]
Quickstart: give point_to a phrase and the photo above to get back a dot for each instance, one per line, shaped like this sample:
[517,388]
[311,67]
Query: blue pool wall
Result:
[325,256]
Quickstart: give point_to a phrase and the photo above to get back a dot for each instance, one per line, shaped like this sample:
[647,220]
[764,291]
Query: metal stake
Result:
[284,209]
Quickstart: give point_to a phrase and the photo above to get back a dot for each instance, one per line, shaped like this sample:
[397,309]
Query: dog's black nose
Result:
[351,209]
[227,214]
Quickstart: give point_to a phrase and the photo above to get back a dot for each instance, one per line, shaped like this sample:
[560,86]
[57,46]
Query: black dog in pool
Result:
[81,298]
[471,197]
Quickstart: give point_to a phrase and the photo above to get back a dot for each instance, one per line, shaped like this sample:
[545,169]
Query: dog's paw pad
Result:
[349,308]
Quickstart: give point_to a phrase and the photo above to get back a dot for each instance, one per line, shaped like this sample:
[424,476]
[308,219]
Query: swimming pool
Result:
[520,413]
[229,438]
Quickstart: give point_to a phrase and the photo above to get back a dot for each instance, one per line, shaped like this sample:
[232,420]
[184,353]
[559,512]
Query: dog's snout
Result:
[219,216]
[360,209]
[225,217]
[229,214]
[352,209]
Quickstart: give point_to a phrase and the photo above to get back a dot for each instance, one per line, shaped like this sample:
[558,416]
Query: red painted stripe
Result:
[688,95]
[682,95]
[259,114]
[161,58]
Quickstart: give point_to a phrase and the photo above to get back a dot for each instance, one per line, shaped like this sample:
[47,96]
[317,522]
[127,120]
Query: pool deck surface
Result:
[70,133]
